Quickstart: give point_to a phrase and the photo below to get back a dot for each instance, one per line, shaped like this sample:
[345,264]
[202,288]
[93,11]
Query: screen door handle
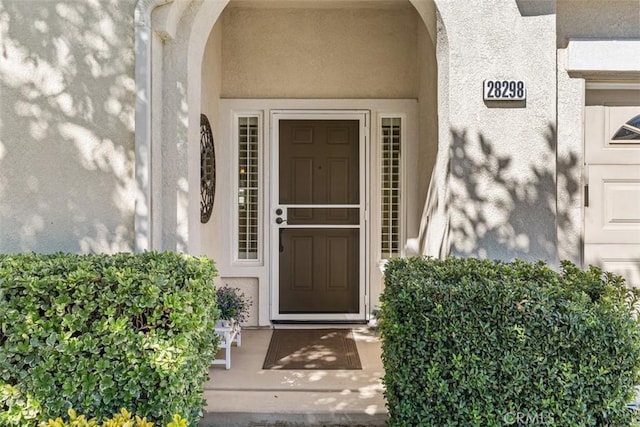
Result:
[280,245]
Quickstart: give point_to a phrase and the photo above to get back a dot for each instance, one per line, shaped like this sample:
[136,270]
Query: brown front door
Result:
[318,217]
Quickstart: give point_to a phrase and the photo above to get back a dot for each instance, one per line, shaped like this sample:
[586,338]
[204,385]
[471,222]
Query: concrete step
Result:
[293,408]
[248,396]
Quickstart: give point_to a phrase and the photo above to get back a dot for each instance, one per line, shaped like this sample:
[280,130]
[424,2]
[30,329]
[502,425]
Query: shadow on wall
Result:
[494,212]
[66,126]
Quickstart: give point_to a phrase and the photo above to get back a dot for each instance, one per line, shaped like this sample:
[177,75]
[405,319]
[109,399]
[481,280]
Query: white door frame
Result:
[364,118]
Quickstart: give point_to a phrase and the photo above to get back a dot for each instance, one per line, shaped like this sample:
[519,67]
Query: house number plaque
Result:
[504,90]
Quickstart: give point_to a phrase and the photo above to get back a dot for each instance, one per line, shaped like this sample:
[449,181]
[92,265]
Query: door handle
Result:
[280,220]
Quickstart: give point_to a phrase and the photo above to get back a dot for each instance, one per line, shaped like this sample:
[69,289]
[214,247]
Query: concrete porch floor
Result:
[247,395]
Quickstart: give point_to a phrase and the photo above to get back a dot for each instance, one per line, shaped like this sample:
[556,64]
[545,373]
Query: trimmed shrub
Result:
[468,342]
[101,332]
[122,419]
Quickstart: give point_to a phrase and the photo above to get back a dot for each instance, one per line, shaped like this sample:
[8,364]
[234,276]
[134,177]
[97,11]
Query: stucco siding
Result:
[570,161]
[501,189]
[428,125]
[597,19]
[319,53]
[66,126]
[211,88]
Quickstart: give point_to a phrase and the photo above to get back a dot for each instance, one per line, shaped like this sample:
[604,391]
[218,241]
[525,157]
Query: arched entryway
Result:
[240,61]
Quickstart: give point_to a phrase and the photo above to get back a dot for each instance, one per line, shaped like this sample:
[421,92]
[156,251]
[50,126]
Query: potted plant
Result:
[233,305]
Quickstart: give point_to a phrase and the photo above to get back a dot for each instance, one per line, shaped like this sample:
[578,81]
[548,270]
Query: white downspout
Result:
[142,224]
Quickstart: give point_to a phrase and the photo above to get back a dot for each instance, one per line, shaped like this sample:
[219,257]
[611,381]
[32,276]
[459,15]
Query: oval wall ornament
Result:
[207,170]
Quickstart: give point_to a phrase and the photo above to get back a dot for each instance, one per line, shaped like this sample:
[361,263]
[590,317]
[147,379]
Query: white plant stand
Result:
[229,332]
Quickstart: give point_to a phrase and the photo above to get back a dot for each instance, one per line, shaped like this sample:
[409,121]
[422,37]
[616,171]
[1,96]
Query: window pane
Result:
[390,186]
[629,131]
[635,122]
[248,187]
[626,134]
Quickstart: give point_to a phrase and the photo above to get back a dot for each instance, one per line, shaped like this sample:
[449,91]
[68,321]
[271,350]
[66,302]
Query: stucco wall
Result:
[501,191]
[597,18]
[319,53]
[66,126]
[428,123]
[211,87]
[570,160]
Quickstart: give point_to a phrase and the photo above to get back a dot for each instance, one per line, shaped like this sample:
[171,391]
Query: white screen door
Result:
[318,209]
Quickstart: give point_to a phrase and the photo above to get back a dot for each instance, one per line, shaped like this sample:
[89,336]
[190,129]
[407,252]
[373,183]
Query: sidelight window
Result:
[248,190]
[390,183]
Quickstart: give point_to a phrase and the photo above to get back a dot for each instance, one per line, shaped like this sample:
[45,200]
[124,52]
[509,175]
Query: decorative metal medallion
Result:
[207,170]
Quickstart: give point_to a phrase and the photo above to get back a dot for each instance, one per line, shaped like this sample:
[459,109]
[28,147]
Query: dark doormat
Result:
[312,349]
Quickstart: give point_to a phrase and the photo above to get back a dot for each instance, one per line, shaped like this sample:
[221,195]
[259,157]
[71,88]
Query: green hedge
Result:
[480,343]
[123,419]
[101,332]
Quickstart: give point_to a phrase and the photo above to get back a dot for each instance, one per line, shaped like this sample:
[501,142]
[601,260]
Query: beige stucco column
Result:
[174,178]
[496,193]
[143,152]
[570,161]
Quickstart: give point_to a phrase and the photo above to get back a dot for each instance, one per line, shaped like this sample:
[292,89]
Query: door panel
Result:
[612,217]
[300,180]
[319,271]
[623,260]
[316,164]
[614,214]
[320,224]
[297,257]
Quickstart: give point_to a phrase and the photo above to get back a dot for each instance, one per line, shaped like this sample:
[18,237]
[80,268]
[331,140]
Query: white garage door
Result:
[612,199]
